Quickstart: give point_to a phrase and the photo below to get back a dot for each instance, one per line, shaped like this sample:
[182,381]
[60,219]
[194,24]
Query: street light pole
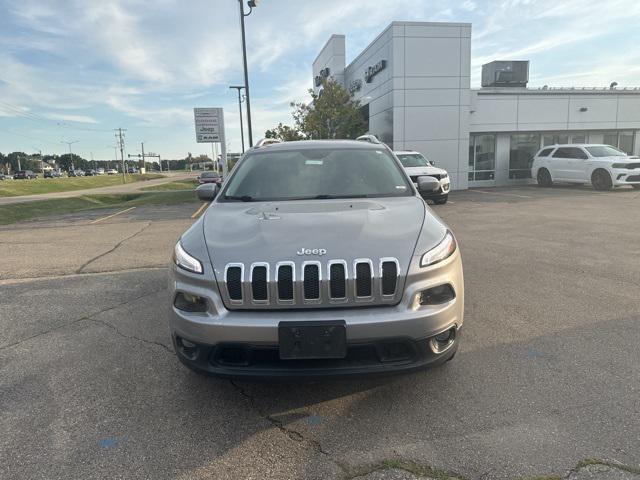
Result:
[239,88]
[251,4]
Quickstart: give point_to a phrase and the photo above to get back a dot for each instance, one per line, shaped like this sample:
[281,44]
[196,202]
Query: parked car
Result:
[52,174]
[90,173]
[416,165]
[5,176]
[25,174]
[318,234]
[209,177]
[603,166]
[112,171]
[100,171]
[132,170]
[76,173]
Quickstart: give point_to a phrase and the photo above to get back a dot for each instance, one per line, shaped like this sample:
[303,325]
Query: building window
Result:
[611,138]
[482,157]
[554,139]
[625,142]
[579,138]
[521,151]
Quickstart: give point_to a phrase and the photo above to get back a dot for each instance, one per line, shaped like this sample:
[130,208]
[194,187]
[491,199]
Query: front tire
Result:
[601,180]
[441,201]
[544,178]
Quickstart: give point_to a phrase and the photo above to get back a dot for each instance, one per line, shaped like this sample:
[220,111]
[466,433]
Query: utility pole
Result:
[190,166]
[252,4]
[120,139]
[144,162]
[239,88]
[70,152]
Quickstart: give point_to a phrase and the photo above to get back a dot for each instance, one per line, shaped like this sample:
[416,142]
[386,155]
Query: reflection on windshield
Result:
[413,160]
[317,174]
[605,151]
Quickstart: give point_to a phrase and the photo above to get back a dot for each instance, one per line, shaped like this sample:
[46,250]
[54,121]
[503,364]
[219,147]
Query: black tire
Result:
[637,187]
[601,180]
[544,178]
[441,201]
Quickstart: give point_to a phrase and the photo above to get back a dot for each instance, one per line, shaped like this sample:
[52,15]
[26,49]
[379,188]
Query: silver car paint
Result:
[400,227]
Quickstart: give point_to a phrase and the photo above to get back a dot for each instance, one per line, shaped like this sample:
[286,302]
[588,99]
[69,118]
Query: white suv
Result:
[416,165]
[603,166]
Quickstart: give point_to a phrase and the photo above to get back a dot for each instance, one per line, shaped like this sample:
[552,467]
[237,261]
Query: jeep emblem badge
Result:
[312,251]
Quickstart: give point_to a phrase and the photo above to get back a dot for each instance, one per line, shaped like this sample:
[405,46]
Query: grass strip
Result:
[176,185]
[16,188]
[18,212]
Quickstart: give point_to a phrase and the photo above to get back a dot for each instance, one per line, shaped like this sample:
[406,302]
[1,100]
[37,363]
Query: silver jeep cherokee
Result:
[316,258]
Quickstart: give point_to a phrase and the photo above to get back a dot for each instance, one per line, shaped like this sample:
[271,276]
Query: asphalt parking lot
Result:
[547,375]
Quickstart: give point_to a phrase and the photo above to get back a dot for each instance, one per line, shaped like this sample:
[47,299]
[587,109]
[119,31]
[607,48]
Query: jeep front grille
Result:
[311,284]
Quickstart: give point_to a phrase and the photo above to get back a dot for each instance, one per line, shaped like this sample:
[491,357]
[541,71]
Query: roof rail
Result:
[369,138]
[264,142]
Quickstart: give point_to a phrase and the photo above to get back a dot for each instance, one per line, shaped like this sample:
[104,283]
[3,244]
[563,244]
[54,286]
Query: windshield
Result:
[209,175]
[409,160]
[317,174]
[605,151]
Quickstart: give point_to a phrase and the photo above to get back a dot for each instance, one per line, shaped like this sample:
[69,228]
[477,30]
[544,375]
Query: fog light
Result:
[443,341]
[188,349]
[190,303]
[437,295]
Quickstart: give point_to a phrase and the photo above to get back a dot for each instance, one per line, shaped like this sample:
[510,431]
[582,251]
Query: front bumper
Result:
[252,335]
[623,177]
[377,357]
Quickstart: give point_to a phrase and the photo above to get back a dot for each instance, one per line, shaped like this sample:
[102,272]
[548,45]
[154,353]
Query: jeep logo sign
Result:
[373,70]
[312,251]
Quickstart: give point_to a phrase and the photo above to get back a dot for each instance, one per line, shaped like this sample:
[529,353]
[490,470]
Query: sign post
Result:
[210,129]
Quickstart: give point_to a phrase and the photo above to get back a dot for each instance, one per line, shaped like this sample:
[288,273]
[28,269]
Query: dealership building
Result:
[413,82]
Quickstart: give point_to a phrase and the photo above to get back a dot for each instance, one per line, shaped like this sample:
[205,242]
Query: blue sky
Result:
[76,69]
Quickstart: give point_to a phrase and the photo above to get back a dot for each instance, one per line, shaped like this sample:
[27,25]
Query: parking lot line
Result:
[197,212]
[112,215]
[499,193]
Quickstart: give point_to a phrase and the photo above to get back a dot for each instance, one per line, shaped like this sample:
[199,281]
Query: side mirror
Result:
[207,191]
[428,184]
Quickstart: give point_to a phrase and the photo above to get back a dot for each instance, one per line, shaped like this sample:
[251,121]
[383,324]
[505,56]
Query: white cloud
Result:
[70,118]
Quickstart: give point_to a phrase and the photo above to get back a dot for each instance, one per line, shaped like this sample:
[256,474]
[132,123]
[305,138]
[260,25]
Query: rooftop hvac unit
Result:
[505,74]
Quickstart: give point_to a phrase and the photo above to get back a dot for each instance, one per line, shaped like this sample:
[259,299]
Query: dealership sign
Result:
[355,86]
[209,125]
[373,70]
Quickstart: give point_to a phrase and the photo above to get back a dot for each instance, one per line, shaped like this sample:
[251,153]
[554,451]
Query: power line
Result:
[18,111]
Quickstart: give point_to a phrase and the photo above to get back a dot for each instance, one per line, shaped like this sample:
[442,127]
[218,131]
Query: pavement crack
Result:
[97,257]
[132,337]
[78,320]
[293,434]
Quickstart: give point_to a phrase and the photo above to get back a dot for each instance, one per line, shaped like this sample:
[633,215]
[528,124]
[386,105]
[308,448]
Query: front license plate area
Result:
[312,340]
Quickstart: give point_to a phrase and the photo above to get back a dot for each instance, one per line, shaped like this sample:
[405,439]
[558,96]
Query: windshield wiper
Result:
[242,198]
[327,196]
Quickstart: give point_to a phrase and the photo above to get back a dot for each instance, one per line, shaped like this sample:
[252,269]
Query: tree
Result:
[332,113]
[284,133]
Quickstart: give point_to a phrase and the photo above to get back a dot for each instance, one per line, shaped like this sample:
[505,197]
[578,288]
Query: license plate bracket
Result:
[312,340]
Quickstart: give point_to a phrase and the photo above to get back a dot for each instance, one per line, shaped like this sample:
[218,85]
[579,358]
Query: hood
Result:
[346,229]
[413,171]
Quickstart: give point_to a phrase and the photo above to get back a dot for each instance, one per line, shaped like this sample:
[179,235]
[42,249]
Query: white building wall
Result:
[332,56]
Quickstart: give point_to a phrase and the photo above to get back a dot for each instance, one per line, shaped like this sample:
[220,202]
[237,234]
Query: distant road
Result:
[125,188]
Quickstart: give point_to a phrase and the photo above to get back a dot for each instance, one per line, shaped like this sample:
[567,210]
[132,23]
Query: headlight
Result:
[186,261]
[619,165]
[441,251]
